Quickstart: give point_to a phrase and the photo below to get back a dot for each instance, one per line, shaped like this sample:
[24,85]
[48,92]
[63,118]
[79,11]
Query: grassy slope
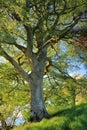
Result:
[67,119]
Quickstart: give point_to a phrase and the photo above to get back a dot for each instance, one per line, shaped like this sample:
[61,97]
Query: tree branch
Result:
[20,47]
[29,32]
[16,65]
[62,34]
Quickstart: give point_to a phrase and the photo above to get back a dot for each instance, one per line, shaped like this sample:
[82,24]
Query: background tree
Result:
[28,29]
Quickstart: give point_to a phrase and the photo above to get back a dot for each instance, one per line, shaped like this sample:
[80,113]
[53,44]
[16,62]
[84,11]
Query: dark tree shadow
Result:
[72,114]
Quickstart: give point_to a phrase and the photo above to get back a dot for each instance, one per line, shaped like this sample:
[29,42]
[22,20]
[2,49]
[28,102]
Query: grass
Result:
[67,119]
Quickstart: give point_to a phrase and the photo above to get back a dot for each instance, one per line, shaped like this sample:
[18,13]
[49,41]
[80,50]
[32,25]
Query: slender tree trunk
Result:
[73,94]
[4,126]
[38,109]
[74,100]
[3,123]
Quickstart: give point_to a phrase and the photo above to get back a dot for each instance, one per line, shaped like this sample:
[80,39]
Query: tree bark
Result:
[38,109]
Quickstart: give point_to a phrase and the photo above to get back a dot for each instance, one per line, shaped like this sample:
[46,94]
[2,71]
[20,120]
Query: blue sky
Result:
[81,70]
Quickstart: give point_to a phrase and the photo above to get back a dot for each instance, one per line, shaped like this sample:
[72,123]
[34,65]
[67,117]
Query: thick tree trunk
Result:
[38,109]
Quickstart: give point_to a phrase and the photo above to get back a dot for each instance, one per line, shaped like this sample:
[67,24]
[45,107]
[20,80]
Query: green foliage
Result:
[13,92]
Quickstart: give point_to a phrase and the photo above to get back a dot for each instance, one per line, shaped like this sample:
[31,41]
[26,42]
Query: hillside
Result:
[66,119]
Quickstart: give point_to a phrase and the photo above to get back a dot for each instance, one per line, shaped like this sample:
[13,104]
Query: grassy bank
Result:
[66,119]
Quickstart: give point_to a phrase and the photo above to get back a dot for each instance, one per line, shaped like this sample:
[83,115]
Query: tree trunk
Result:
[73,95]
[4,126]
[38,109]
[3,122]
[73,100]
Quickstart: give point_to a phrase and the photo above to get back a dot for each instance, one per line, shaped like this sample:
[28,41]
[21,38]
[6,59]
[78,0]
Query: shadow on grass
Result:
[76,117]
[75,111]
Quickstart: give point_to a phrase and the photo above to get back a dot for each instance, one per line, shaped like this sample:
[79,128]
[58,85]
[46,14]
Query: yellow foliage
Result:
[11,25]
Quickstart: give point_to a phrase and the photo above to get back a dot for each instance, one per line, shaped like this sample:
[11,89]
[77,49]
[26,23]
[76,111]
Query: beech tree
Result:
[29,30]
